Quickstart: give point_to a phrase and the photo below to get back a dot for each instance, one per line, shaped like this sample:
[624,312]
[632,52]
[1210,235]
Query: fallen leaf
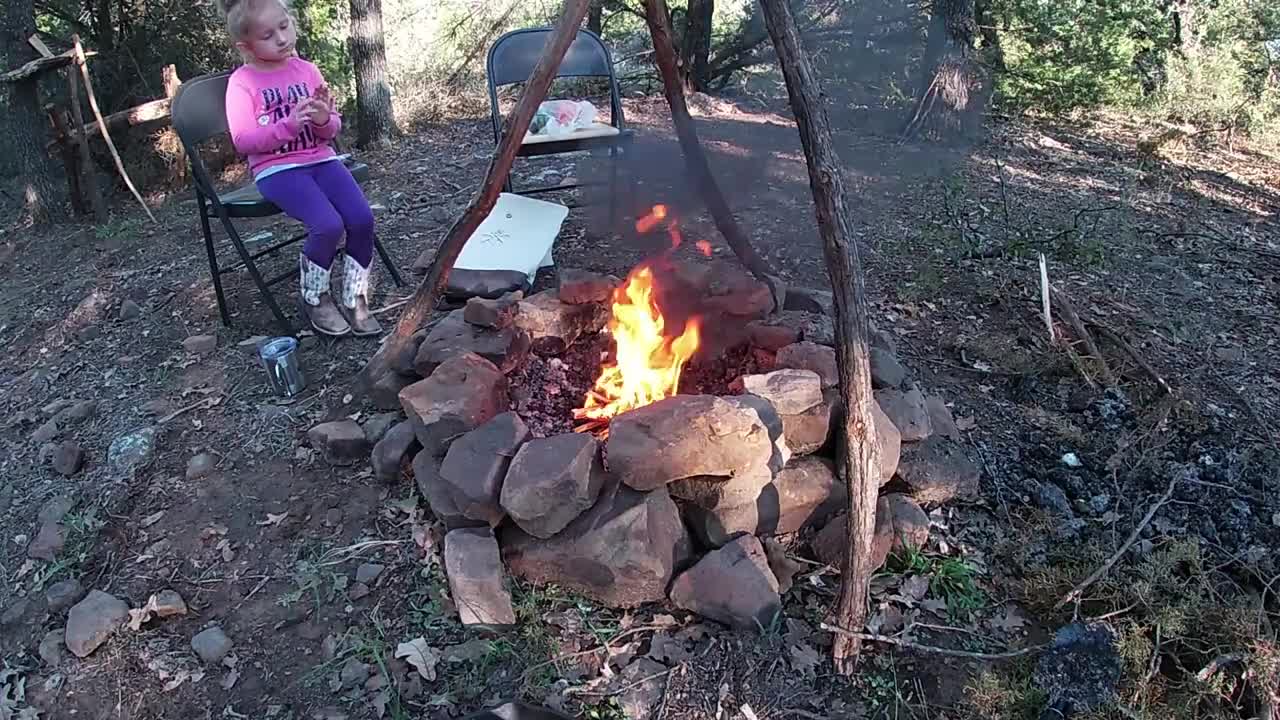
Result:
[469,651]
[421,656]
[138,616]
[804,659]
[667,649]
[748,713]
[915,588]
[380,701]
[152,519]
[1012,620]
[274,519]
[230,680]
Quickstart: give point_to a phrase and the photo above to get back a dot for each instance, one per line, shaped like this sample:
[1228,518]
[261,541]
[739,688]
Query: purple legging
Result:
[327,200]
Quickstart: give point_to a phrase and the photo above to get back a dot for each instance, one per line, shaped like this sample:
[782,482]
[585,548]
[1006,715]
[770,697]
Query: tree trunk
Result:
[694,157]
[424,298]
[953,87]
[990,36]
[595,17]
[695,51]
[374,112]
[859,455]
[24,122]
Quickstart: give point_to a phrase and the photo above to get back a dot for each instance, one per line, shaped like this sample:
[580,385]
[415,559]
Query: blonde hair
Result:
[239,12]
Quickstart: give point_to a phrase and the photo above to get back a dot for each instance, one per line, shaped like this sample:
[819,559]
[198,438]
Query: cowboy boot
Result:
[317,302]
[355,299]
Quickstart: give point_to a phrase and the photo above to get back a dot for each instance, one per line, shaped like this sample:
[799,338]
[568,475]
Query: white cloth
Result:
[518,234]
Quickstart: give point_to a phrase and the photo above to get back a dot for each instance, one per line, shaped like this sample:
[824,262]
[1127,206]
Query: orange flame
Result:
[704,247]
[647,362]
[652,220]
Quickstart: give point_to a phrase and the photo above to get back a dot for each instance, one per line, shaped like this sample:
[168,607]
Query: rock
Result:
[45,433]
[353,674]
[792,392]
[252,343]
[67,458]
[453,336]
[129,310]
[76,412]
[493,313]
[52,646]
[772,422]
[686,436]
[1053,499]
[938,472]
[201,466]
[155,408]
[200,344]
[829,543]
[579,287]
[747,298]
[771,337]
[886,371]
[55,509]
[477,463]
[784,567]
[170,604]
[93,620]
[554,325]
[474,567]
[806,493]
[48,543]
[732,585]
[384,391]
[1080,670]
[368,573]
[402,361]
[622,552]
[940,417]
[342,442]
[810,300]
[890,442]
[17,613]
[63,594]
[551,481]
[133,451]
[377,427]
[809,431]
[358,591]
[909,521]
[389,454]
[211,645]
[908,411]
[640,688]
[811,356]
[462,394]
[715,492]
[426,474]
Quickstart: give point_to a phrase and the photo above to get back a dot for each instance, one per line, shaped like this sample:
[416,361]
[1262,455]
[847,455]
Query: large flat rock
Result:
[733,585]
[551,481]
[462,394]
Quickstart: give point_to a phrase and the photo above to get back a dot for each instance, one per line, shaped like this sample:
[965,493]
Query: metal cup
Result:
[279,356]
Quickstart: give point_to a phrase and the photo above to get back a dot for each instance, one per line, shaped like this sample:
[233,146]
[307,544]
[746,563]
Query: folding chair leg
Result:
[386,260]
[213,265]
[614,221]
[252,267]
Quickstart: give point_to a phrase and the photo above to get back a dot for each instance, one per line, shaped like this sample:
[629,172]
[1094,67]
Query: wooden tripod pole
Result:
[859,453]
[535,90]
[694,157]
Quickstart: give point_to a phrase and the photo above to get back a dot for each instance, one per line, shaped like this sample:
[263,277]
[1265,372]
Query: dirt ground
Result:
[1177,253]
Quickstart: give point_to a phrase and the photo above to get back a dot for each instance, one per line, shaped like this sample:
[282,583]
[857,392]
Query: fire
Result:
[647,362]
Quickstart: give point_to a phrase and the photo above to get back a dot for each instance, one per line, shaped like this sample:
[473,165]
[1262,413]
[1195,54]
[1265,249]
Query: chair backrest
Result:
[514,56]
[198,113]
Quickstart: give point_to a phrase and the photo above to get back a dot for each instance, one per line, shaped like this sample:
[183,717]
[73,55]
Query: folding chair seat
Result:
[199,114]
[512,59]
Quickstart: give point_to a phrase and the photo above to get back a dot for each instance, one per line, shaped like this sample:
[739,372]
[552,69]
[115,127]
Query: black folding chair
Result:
[199,114]
[512,59]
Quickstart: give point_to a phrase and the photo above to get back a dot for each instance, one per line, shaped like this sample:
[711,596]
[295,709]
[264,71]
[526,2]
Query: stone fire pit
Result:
[671,505]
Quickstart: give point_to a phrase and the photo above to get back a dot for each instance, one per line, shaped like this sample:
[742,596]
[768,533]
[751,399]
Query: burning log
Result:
[535,91]
[859,455]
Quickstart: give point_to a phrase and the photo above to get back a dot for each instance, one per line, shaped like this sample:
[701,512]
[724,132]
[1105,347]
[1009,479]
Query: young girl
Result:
[281,115]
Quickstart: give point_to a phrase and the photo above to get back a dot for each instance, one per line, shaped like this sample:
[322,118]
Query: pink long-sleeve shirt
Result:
[260,117]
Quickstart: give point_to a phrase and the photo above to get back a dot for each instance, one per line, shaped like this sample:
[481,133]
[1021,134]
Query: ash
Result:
[546,390]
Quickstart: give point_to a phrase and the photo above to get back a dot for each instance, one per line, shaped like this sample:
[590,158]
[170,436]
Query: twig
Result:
[204,404]
[619,691]
[933,649]
[1068,310]
[392,306]
[1045,307]
[591,651]
[1216,664]
[1078,591]
[1132,352]
[666,692]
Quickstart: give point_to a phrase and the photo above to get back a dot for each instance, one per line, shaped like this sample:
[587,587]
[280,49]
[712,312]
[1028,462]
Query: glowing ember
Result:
[704,247]
[647,362]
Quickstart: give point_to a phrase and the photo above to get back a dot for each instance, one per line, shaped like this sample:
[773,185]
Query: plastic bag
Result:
[561,117]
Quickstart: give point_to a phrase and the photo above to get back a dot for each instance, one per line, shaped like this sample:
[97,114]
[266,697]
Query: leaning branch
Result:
[947,652]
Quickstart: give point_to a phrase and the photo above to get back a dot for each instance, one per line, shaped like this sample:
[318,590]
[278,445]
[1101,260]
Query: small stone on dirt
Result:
[130,452]
[93,620]
[686,436]
[67,458]
[579,287]
[130,310]
[155,408]
[201,466]
[791,391]
[48,542]
[45,433]
[353,674]
[640,687]
[367,573]
[211,645]
[732,585]
[200,344]
[811,356]
[940,417]
[53,648]
[1051,498]
[474,567]
[477,463]
[388,455]
[493,313]
[170,604]
[63,594]
[551,481]
[938,472]
[377,427]
[358,591]
[252,343]
[342,442]
[886,371]
[909,412]
[462,394]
